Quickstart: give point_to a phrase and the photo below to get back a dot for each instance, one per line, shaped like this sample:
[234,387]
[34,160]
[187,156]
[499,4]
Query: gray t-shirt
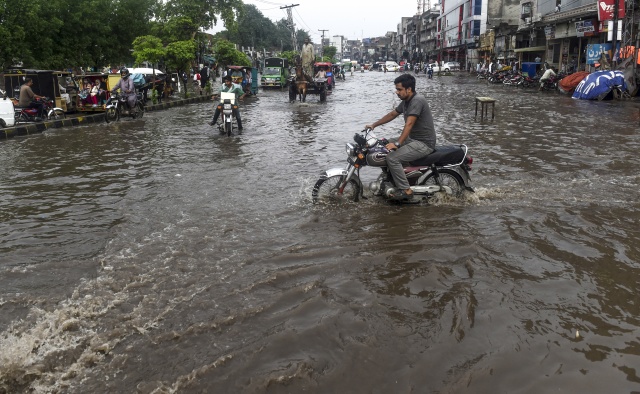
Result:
[423,129]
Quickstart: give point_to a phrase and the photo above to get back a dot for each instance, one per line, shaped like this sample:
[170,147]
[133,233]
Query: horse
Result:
[301,83]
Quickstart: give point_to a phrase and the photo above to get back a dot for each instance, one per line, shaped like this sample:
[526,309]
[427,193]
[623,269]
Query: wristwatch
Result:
[397,143]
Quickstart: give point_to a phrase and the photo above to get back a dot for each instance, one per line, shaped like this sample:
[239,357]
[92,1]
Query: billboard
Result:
[605,10]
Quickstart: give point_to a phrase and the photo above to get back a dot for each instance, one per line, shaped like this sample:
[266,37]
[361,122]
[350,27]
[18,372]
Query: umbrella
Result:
[597,85]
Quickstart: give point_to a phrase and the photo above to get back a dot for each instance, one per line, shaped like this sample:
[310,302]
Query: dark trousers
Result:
[39,106]
[235,111]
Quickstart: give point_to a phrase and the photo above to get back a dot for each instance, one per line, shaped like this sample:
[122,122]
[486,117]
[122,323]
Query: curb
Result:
[37,128]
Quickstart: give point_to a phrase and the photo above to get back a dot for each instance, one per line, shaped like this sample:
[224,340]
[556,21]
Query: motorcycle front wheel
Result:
[450,179]
[57,114]
[326,190]
[111,115]
[227,128]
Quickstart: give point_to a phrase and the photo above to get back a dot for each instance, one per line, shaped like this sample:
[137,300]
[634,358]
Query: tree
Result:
[203,13]
[178,56]
[148,49]
[227,54]
[329,52]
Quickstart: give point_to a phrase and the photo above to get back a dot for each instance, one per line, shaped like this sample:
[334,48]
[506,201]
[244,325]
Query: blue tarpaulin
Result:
[597,85]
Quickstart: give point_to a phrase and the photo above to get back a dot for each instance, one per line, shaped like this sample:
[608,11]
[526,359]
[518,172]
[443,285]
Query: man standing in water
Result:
[308,57]
[418,137]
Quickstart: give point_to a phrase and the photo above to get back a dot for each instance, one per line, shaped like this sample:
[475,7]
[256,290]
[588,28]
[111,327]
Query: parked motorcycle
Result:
[116,106]
[446,170]
[513,80]
[49,112]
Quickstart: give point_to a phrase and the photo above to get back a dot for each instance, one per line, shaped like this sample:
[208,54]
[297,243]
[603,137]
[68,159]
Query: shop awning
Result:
[531,49]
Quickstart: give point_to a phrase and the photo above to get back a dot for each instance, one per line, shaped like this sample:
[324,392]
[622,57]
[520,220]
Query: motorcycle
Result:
[549,84]
[49,112]
[514,80]
[445,170]
[228,104]
[116,106]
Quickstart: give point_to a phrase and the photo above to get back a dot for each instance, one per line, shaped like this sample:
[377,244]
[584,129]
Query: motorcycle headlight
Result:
[351,150]
[227,106]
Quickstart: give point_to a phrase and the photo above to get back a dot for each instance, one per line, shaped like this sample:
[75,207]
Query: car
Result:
[451,66]
[446,67]
[392,66]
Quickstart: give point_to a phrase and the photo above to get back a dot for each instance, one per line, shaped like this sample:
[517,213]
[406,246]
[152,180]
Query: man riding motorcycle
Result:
[418,138]
[128,90]
[546,76]
[229,87]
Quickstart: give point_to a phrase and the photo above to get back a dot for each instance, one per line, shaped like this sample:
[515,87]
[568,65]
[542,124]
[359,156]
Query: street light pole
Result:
[322,43]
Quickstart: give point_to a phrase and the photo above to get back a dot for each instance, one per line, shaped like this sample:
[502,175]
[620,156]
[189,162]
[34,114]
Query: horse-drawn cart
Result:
[301,84]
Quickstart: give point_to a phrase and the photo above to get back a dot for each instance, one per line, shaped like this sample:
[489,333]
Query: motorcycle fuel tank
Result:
[377,159]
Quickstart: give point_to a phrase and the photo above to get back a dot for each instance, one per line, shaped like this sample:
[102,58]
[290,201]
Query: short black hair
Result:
[27,80]
[228,78]
[407,81]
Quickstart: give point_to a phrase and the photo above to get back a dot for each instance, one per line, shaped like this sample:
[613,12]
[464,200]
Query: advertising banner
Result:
[605,10]
[585,28]
[594,51]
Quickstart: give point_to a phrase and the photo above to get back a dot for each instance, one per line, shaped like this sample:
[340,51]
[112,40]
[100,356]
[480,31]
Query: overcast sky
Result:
[353,19]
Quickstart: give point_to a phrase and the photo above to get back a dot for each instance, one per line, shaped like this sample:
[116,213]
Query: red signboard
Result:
[605,10]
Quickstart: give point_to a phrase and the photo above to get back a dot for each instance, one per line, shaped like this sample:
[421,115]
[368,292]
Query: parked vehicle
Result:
[49,112]
[45,83]
[446,171]
[275,73]
[7,114]
[446,67]
[451,66]
[117,106]
[392,66]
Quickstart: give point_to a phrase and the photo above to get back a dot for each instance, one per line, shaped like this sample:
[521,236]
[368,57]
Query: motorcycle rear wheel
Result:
[111,115]
[448,178]
[326,190]
[139,113]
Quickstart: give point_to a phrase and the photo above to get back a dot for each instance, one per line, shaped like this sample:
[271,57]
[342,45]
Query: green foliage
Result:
[148,49]
[289,55]
[204,13]
[329,51]
[56,34]
[227,54]
[179,54]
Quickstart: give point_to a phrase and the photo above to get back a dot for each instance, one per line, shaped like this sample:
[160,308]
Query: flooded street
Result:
[159,256]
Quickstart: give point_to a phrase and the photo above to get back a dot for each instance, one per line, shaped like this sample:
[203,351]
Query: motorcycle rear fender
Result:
[461,171]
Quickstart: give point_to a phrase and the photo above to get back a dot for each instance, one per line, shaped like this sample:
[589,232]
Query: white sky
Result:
[354,19]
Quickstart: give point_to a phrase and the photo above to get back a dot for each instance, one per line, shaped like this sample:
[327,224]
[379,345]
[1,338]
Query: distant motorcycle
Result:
[446,170]
[116,106]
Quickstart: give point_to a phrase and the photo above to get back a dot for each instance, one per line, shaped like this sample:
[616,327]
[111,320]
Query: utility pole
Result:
[322,43]
[291,25]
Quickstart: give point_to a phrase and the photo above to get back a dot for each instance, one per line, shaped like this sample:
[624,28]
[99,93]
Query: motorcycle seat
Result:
[443,155]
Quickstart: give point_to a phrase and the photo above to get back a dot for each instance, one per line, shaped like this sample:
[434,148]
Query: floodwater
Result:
[158,256]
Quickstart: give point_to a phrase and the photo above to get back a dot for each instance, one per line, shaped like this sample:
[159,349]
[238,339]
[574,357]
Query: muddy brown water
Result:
[158,256]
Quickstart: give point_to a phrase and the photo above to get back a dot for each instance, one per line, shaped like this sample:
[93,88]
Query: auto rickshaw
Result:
[85,102]
[246,76]
[328,67]
[45,83]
